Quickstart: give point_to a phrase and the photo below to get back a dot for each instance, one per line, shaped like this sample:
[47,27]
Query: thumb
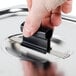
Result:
[32,23]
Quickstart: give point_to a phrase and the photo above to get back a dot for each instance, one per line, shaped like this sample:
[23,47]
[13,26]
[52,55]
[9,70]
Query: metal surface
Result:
[13,45]
[10,24]
[14,12]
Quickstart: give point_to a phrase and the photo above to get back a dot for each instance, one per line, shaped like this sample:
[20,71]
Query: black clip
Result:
[40,41]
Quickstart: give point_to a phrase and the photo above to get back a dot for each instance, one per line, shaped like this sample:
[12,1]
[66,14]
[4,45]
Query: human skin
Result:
[51,19]
[41,13]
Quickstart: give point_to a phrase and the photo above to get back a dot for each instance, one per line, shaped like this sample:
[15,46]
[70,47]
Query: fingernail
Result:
[26,33]
[27,30]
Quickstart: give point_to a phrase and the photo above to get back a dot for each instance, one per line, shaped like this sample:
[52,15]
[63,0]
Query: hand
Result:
[49,16]
[31,69]
[47,12]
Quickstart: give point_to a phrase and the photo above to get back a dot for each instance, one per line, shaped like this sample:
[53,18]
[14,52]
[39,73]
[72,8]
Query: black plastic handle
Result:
[40,41]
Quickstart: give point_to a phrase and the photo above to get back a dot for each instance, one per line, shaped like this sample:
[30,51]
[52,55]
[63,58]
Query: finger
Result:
[29,4]
[33,20]
[56,17]
[29,69]
[32,24]
[41,72]
[46,20]
[51,71]
[67,6]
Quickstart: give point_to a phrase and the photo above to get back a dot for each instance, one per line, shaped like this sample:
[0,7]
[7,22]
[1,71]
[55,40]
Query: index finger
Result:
[67,6]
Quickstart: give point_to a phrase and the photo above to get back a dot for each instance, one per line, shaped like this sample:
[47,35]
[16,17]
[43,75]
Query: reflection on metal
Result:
[13,45]
[13,12]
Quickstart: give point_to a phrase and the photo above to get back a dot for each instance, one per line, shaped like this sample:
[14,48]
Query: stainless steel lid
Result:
[10,20]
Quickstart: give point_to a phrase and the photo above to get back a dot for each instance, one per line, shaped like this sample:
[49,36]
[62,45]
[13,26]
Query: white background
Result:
[10,66]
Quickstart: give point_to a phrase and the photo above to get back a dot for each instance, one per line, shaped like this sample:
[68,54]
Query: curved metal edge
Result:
[20,10]
[13,44]
[69,18]
[14,11]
